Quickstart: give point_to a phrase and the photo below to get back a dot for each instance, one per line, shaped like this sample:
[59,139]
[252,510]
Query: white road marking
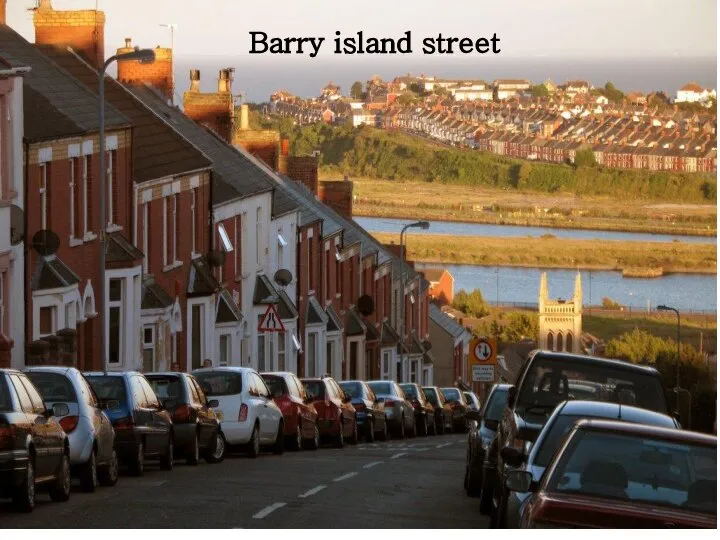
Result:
[344,477]
[401,454]
[371,464]
[268,510]
[312,491]
[443,445]
[420,449]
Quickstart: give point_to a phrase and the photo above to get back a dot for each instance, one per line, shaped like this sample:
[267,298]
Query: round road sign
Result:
[483,351]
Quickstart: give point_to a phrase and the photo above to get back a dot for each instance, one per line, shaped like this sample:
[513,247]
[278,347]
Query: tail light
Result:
[331,412]
[242,415]
[389,402]
[69,423]
[126,422]
[181,414]
[7,434]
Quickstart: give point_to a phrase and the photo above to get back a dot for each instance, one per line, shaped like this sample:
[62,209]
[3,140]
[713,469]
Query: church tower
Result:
[560,325]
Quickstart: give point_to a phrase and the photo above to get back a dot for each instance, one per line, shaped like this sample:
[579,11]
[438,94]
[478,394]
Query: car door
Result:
[406,407]
[206,418]
[47,426]
[103,427]
[269,421]
[161,422]
[346,408]
[34,425]
[143,415]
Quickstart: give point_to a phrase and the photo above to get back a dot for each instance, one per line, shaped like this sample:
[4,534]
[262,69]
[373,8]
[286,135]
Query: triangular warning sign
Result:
[271,322]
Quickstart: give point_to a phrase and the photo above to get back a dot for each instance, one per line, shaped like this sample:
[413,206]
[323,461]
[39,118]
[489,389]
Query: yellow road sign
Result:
[483,351]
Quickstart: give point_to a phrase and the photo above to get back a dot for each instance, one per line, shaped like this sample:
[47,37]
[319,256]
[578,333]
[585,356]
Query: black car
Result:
[547,378]
[370,413]
[424,411]
[143,427]
[196,428]
[480,441]
[34,450]
[459,407]
[443,411]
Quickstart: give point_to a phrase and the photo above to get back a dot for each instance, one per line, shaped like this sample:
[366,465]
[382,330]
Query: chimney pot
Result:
[194,80]
[244,117]
[225,80]
[128,42]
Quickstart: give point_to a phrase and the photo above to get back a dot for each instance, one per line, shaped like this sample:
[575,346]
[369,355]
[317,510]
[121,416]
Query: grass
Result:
[551,252]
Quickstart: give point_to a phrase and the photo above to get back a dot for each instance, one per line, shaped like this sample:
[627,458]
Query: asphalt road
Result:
[415,483]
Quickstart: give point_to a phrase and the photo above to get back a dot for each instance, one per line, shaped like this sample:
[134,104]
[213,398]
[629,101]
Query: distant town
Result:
[516,118]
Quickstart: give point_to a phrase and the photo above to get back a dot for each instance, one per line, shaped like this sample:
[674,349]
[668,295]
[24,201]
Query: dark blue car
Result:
[370,412]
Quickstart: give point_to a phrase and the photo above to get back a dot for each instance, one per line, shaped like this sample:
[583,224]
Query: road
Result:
[415,483]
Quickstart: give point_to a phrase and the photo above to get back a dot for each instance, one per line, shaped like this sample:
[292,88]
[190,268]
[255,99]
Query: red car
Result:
[335,413]
[610,474]
[289,394]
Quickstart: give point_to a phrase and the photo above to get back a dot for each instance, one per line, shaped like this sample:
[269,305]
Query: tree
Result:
[540,90]
[406,98]
[520,326]
[612,93]
[472,304]
[356,90]
[585,157]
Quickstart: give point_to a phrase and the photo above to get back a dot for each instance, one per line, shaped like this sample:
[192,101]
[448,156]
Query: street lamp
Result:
[689,408]
[144,56]
[663,307]
[424,225]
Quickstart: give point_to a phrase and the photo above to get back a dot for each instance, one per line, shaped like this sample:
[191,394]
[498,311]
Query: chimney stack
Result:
[214,110]
[194,80]
[3,5]
[225,81]
[158,74]
[244,117]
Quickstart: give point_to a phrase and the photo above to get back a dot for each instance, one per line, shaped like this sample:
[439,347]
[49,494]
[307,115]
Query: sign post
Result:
[482,360]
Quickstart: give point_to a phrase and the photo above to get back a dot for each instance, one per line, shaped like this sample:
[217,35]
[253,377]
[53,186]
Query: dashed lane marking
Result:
[344,477]
[311,492]
[401,454]
[443,445]
[268,510]
[371,464]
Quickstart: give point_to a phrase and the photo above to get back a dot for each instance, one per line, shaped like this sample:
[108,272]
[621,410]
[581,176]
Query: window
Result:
[152,398]
[115,322]
[76,210]
[87,193]
[225,349]
[25,401]
[2,304]
[193,225]
[281,351]
[281,249]
[47,320]
[260,385]
[170,229]
[413,370]
[258,235]
[386,358]
[146,236]
[44,191]
[296,343]
[311,355]
[149,348]
[224,238]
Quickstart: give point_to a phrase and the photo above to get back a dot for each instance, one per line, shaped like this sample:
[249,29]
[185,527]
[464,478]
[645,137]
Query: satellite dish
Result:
[17,225]
[45,242]
[366,305]
[216,258]
[283,277]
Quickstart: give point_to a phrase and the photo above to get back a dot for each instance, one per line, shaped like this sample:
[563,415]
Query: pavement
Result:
[411,483]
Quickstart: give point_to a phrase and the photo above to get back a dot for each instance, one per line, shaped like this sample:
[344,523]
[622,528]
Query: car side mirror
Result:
[60,409]
[512,394]
[473,415]
[112,405]
[492,424]
[520,481]
[512,456]
[213,403]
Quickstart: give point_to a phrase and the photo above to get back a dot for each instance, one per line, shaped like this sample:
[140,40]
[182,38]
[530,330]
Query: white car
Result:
[246,409]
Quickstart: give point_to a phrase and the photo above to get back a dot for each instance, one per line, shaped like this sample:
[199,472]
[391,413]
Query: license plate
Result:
[219,414]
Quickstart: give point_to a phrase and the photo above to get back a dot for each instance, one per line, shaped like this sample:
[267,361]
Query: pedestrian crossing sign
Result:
[271,322]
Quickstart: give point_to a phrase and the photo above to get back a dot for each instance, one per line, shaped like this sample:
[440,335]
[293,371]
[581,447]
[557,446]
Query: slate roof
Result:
[51,273]
[388,335]
[334,323]
[286,307]
[236,173]
[228,311]
[446,323]
[120,249]
[201,281]
[315,313]
[154,296]
[354,325]
[70,99]
[264,292]
[158,149]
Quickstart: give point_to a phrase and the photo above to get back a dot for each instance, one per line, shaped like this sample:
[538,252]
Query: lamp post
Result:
[689,408]
[144,56]
[424,225]
[663,307]
[172,27]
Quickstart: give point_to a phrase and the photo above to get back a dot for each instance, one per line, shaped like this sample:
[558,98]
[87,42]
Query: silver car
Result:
[89,431]
[560,422]
[399,412]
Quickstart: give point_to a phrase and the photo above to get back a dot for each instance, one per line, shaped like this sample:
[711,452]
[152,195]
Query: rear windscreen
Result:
[53,386]
[107,388]
[167,387]
[275,384]
[219,383]
[315,389]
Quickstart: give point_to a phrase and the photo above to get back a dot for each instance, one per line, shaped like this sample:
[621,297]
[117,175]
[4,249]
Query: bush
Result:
[609,303]
[472,304]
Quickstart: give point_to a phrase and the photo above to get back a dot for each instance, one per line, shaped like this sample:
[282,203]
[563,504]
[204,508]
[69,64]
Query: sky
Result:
[526,28]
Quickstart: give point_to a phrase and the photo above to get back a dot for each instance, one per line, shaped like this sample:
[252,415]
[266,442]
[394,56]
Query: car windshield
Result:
[166,387]
[219,383]
[638,469]
[315,390]
[108,387]
[275,384]
[452,394]
[550,381]
[381,388]
[431,396]
[495,407]
[410,390]
[352,389]
[53,386]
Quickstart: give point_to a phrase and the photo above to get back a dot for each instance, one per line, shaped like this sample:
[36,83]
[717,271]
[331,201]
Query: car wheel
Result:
[166,462]
[137,465]
[486,493]
[384,433]
[340,439]
[193,455]
[217,453]
[23,495]
[354,438]
[279,446]
[297,440]
[88,474]
[370,435]
[108,474]
[314,443]
[434,428]
[254,444]
[60,492]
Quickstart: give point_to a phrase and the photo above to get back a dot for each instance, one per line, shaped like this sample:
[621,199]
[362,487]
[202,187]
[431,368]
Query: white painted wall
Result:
[132,320]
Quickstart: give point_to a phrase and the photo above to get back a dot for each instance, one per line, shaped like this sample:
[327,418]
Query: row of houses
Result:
[203,237]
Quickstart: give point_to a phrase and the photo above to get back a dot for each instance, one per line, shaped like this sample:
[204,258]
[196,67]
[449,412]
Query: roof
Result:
[264,291]
[388,335]
[158,149]
[51,273]
[334,323]
[154,296]
[691,87]
[315,313]
[120,249]
[674,435]
[286,307]
[236,173]
[433,275]
[70,99]
[448,324]
[201,281]
[627,413]
[584,359]
[228,311]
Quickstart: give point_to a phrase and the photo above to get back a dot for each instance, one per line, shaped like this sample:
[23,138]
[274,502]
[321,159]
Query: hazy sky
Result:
[525,27]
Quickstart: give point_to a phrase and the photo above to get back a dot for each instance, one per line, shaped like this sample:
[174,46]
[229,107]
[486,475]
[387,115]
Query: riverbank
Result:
[550,252]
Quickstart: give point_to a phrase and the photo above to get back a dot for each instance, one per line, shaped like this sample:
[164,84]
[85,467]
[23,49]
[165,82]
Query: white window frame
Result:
[281,351]
[385,374]
[225,238]
[70,315]
[53,320]
[281,249]
[116,304]
[149,346]
[237,233]
[86,203]
[73,232]
[145,236]
[228,349]
[173,209]
[43,189]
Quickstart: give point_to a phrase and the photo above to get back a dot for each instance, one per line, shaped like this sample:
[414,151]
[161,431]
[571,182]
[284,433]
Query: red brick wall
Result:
[3,18]
[213,110]
[304,169]
[83,30]
[158,74]
[263,144]
[306,282]
[338,195]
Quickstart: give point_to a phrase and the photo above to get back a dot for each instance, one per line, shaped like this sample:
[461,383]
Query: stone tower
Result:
[560,325]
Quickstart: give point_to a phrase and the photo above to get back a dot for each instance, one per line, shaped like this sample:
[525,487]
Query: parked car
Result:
[545,380]
[143,428]
[90,434]
[473,401]
[399,412]
[246,410]
[370,413]
[196,428]
[459,407]
[480,440]
[645,477]
[443,410]
[300,416]
[34,449]
[508,508]
[424,412]
[336,415]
